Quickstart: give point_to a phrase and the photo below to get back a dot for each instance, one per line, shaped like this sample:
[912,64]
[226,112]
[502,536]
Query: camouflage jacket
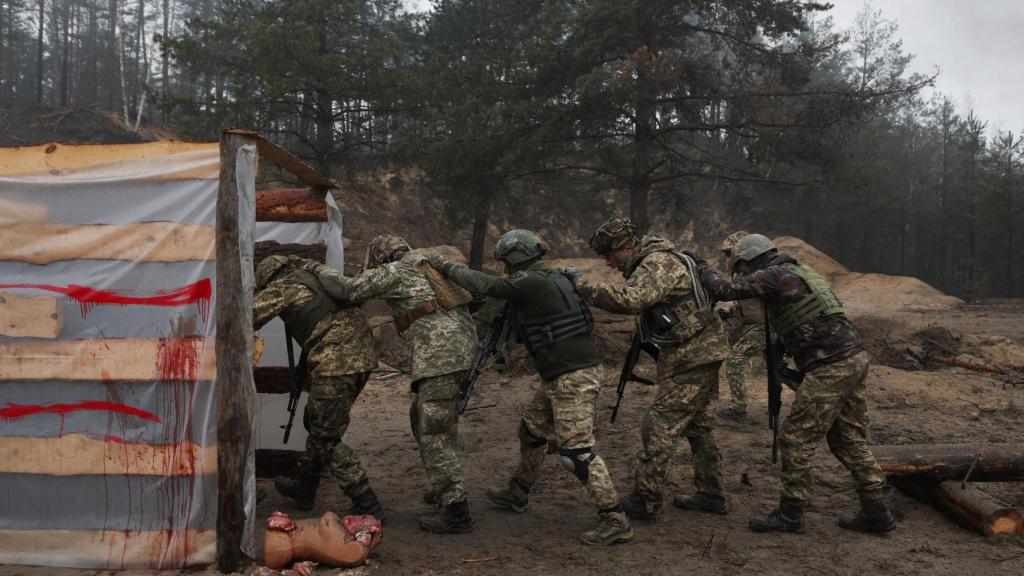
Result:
[822,341]
[442,342]
[344,344]
[749,312]
[655,276]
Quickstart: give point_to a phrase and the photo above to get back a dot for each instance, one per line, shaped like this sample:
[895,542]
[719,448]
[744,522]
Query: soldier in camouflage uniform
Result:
[442,343]
[744,323]
[830,402]
[676,317]
[557,329]
[339,353]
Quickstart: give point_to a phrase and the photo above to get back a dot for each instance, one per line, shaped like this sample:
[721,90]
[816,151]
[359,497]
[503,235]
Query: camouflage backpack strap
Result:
[303,321]
[675,322]
[821,301]
[576,320]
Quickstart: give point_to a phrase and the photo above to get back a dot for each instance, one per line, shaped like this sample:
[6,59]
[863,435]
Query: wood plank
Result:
[235,391]
[108,549]
[940,462]
[75,455]
[291,205]
[271,463]
[12,212]
[147,242]
[46,158]
[29,316]
[112,359]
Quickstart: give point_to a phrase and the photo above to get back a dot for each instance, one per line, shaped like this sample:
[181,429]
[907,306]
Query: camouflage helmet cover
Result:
[383,249]
[518,246]
[751,246]
[613,234]
[268,268]
[730,241]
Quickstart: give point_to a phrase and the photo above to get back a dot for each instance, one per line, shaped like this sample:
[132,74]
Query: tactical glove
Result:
[573,274]
[437,261]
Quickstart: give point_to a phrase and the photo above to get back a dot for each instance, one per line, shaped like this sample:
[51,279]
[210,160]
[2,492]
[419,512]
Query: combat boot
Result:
[364,501]
[702,502]
[635,507]
[788,517]
[513,497]
[874,516]
[612,528]
[451,519]
[301,490]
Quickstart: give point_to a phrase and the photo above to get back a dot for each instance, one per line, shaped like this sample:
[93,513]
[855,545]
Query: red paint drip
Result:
[198,293]
[19,411]
[115,440]
[177,359]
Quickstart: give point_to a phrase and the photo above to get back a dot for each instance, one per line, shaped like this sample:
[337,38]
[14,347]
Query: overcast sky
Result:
[977,45]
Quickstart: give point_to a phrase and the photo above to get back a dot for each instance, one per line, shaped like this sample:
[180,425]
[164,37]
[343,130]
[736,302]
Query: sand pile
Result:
[806,254]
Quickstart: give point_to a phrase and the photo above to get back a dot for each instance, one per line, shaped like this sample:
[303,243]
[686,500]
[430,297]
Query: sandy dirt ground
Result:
[950,405]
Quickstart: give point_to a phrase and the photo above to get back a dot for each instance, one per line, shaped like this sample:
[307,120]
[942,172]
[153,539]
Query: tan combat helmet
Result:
[613,234]
[383,249]
[730,242]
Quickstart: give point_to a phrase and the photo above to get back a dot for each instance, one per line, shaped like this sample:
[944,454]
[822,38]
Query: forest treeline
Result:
[760,113]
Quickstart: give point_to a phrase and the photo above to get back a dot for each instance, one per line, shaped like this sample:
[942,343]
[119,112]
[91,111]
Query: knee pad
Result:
[577,461]
[527,439]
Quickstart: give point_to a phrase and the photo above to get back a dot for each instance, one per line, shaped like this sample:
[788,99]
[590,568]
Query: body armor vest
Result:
[677,321]
[303,321]
[822,301]
[537,333]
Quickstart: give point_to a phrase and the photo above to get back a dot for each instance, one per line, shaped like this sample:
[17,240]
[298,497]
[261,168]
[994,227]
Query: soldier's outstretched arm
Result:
[374,283]
[649,284]
[511,288]
[760,284]
[266,304]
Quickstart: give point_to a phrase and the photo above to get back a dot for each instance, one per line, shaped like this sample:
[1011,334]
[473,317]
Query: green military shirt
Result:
[534,296]
[344,343]
[442,342]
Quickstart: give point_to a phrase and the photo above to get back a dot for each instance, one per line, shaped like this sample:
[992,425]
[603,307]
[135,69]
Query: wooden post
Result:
[235,398]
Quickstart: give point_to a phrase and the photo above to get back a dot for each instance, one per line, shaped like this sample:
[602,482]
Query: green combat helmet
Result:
[751,246]
[612,235]
[268,268]
[518,246]
[729,244]
[383,249]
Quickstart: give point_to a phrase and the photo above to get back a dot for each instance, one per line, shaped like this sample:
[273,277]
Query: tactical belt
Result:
[404,320]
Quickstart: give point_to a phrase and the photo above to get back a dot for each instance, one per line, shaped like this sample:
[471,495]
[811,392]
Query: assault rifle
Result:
[487,346]
[775,361]
[627,374]
[298,375]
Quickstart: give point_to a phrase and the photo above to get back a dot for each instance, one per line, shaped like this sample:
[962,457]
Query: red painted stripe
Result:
[198,293]
[19,411]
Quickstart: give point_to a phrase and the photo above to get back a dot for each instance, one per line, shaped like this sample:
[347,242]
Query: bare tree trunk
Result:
[39,56]
[3,53]
[639,181]
[65,89]
[113,57]
[164,75]
[481,218]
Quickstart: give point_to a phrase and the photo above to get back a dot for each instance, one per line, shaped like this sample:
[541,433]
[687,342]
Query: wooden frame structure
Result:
[235,394]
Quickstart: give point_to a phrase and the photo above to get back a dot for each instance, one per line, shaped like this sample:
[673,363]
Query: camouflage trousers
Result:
[564,408]
[434,418]
[681,407]
[830,404]
[327,418]
[749,344]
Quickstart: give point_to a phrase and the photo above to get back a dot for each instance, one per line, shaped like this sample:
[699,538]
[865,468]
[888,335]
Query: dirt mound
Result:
[25,126]
[880,291]
[806,254]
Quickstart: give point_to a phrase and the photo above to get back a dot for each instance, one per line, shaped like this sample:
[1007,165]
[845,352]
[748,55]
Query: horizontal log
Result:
[12,212]
[316,252]
[291,205]
[272,463]
[274,380]
[933,463]
[108,549]
[113,359]
[148,242]
[968,506]
[29,316]
[198,160]
[75,455]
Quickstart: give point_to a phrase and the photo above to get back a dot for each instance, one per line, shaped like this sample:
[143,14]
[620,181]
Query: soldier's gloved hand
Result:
[314,266]
[437,261]
[573,273]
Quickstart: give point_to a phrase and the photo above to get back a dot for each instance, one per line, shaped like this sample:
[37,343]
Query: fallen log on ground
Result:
[968,506]
[934,463]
